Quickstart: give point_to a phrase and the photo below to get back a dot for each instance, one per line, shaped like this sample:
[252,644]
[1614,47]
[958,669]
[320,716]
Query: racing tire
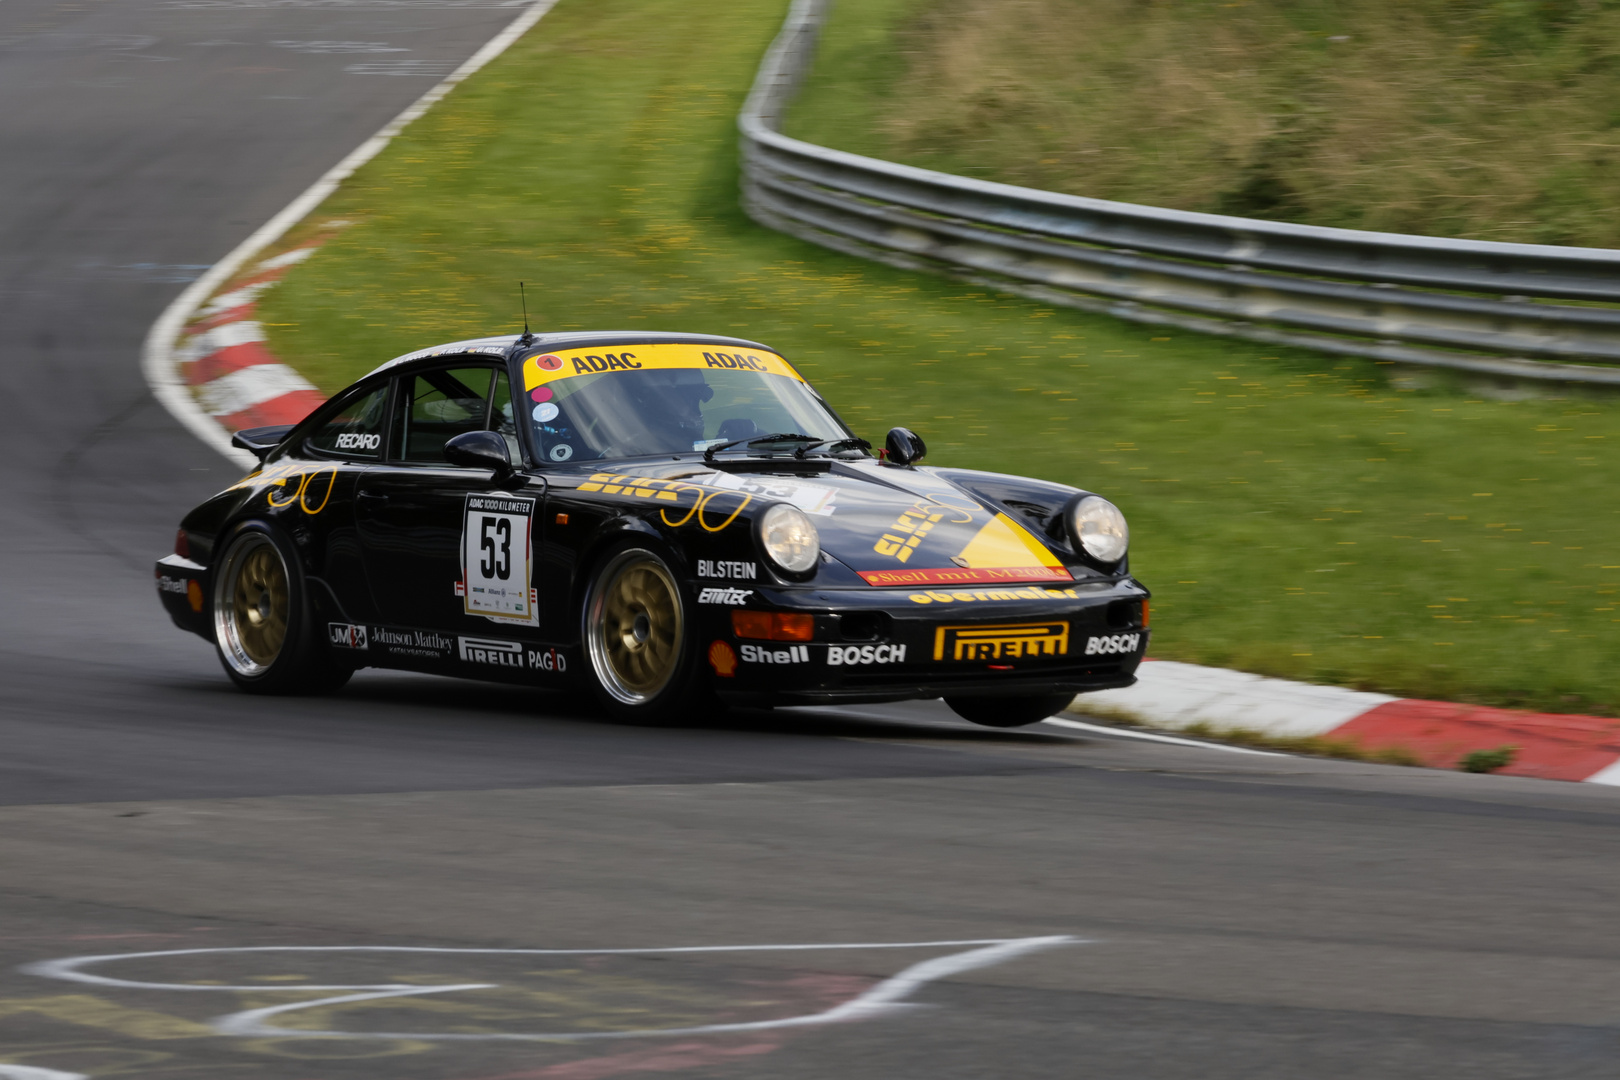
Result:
[638,642]
[1009,712]
[264,625]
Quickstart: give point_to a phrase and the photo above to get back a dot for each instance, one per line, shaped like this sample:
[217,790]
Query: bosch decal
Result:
[1115,643]
[865,654]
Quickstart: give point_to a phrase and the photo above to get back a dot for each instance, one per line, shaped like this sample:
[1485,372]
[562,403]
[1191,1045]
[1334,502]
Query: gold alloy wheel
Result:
[634,630]
[251,605]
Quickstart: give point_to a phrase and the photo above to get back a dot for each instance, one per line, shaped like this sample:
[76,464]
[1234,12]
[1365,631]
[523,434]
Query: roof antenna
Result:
[524,300]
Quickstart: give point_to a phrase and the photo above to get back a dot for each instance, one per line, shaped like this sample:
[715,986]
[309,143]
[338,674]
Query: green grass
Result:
[1295,515]
[1494,119]
[1313,745]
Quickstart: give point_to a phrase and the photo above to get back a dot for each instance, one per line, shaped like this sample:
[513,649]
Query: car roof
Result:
[502,345]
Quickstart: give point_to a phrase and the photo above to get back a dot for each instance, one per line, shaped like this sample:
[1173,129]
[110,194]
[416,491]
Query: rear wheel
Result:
[263,626]
[638,639]
[1008,712]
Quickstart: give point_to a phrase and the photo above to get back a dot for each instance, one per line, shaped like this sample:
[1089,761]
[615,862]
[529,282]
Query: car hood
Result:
[892,526]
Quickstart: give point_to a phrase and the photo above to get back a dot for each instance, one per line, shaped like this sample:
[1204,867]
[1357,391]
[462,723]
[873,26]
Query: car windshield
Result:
[666,399]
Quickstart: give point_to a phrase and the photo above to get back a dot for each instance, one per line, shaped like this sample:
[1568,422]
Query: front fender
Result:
[1032,503]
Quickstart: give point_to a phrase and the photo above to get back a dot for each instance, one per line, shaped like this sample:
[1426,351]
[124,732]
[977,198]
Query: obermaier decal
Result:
[968,596]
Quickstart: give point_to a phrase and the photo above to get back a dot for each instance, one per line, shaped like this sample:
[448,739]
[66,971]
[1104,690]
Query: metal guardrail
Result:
[1474,305]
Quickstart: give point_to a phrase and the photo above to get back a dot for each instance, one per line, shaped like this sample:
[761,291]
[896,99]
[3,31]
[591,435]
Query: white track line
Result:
[157,356]
[887,996]
[1127,733]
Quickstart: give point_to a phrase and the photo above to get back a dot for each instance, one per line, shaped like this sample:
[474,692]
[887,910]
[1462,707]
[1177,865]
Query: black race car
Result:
[671,520]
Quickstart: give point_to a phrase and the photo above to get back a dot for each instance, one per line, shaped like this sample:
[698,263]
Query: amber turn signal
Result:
[772,626]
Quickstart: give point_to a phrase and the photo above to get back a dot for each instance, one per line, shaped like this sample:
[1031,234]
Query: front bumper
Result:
[182,587]
[889,645]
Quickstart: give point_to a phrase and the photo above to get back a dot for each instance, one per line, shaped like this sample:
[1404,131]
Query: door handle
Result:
[371,497]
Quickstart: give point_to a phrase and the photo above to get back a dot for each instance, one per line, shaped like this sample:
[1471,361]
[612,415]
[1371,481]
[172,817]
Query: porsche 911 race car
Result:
[671,520]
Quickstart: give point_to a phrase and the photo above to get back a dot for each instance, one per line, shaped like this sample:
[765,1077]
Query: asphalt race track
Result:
[406,859]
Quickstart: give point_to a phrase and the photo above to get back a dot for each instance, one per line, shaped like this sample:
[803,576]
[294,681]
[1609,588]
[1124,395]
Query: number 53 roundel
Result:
[495,556]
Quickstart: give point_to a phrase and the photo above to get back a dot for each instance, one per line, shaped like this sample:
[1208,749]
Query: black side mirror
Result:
[259,441]
[904,446]
[480,450]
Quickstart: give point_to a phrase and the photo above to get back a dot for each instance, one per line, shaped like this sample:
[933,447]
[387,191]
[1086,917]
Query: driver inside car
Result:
[671,403]
[640,412]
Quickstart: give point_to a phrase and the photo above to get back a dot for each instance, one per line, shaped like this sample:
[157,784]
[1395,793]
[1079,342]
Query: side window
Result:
[438,406]
[356,430]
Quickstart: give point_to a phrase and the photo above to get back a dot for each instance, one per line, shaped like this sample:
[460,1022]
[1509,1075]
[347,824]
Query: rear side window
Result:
[356,430]
[439,405]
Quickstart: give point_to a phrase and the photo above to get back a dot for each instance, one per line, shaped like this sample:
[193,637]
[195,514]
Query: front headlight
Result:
[789,539]
[1099,528]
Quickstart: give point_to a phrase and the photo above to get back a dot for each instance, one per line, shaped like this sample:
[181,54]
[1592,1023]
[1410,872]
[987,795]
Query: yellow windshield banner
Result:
[541,368]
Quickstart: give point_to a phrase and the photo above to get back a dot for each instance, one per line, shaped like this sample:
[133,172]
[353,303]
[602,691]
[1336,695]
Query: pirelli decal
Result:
[1001,642]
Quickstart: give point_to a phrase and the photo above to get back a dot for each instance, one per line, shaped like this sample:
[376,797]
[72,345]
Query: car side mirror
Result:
[259,441]
[903,446]
[481,450]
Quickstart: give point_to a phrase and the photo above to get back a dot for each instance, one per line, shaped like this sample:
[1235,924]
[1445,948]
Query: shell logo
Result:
[723,659]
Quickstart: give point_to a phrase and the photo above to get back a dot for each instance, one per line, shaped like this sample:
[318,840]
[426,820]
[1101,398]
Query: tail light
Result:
[182,544]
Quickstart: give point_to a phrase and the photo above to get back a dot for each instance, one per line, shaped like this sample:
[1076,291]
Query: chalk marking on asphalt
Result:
[158,361]
[34,1072]
[886,997]
[1127,733]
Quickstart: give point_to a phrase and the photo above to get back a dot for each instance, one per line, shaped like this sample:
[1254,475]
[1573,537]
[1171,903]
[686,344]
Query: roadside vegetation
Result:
[1295,515]
[1494,119]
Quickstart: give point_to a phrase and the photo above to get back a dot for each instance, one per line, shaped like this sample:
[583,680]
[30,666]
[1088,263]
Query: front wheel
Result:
[638,639]
[1009,712]
[263,628]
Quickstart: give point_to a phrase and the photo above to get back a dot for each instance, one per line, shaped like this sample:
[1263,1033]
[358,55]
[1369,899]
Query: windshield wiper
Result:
[780,436]
[833,446]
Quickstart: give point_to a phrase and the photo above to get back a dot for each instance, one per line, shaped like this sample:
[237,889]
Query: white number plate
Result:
[495,551]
